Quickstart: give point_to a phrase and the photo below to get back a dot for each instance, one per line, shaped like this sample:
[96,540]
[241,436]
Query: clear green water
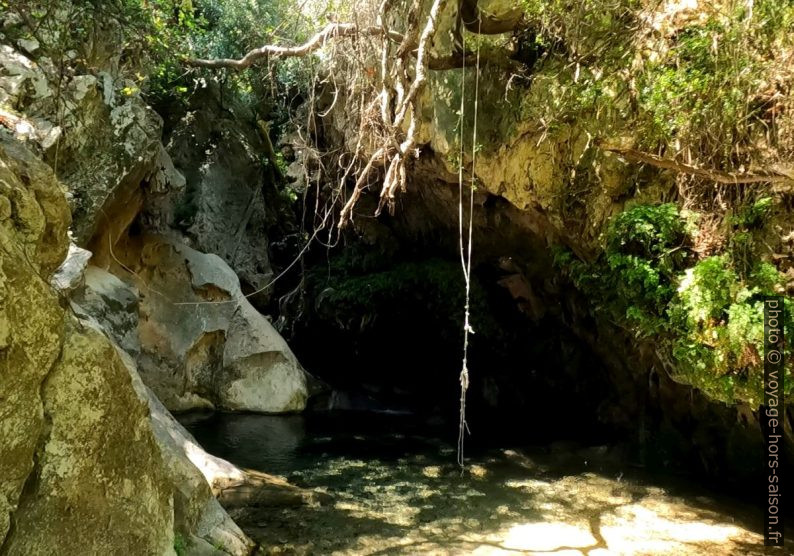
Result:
[397,490]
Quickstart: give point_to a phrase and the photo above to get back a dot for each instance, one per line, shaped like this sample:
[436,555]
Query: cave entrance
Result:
[381,326]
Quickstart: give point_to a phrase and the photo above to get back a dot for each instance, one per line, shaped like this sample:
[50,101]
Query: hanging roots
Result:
[389,116]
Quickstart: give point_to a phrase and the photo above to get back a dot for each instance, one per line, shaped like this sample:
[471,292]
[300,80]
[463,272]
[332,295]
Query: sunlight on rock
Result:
[527,484]
[432,471]
[477,471]
[549,537]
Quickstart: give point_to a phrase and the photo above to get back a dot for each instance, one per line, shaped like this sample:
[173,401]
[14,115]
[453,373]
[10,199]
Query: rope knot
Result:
[464,379]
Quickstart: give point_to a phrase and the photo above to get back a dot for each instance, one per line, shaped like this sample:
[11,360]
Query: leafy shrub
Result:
[698,87]
[718,319]
[709,313]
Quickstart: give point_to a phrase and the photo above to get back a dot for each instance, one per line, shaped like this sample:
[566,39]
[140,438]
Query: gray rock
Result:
[113,304]
[202,343]
[105,147]
[79,472]
[29,45]
[219,151]
[91,462]
[192,470]
[69,275]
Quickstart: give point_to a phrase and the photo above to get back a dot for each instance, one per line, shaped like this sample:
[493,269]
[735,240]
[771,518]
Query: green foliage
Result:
[581,75]
[156,35]
[703,91]
[644,248]
[747,222]
[438,283]
[180,544]
[706,290]
[697,88]
[718,320]
[230,28]
[753,215]
[709,313]
[361,289]
[655,232]
[645,245]
[151,35]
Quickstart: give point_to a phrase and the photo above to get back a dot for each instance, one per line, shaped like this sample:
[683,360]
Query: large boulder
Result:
[191,471]
[33,222]
[113,303]
[197,340]
[98,485]
[80,470]
[95,130]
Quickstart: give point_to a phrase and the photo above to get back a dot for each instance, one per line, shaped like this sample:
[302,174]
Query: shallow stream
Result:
[397,489]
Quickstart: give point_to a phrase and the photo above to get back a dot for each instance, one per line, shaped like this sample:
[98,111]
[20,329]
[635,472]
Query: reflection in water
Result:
[397,490]
[265,442]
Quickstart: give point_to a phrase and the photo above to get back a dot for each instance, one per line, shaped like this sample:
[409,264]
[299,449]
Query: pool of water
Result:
[397,489]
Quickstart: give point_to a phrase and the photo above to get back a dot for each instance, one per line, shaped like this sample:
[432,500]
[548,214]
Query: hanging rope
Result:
[465,254]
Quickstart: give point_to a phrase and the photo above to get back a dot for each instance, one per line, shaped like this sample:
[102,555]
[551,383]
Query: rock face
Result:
[113,304]
[105,144]
[99,485]
[92,462]
[202,343]
[33,239]
[74,436]
[87,467]
[192,471]
[223,211]
[548,181]
[69,275]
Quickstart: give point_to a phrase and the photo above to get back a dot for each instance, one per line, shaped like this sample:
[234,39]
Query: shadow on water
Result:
[397,490]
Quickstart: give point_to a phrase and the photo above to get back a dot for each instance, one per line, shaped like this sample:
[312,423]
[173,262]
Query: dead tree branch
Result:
[405,59]
[718,176]
[330,31]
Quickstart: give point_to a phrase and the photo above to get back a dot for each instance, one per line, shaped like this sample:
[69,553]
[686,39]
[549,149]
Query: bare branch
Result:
[421,62]
[719,176]
[345,215]
[395,175]
[330,31]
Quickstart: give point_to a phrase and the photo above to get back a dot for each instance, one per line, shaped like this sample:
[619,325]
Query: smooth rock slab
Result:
[203,345]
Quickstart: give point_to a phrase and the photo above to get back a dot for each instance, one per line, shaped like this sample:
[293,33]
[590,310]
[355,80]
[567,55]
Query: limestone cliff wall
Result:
[77,443]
